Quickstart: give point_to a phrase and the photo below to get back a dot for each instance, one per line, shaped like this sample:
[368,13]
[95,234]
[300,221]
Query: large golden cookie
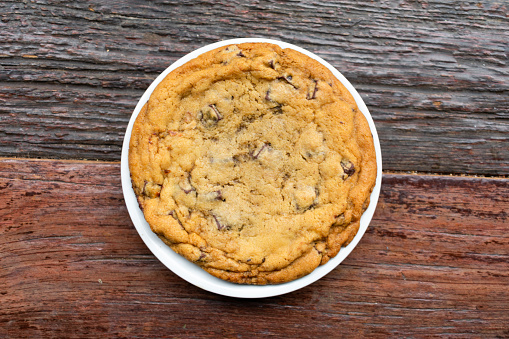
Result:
[253,162]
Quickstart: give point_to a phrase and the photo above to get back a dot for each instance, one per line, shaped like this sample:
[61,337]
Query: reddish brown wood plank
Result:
[434,74]
[434,262]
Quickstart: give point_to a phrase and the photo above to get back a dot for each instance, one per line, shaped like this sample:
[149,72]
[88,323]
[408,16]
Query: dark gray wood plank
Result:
[434,75]
[434,262]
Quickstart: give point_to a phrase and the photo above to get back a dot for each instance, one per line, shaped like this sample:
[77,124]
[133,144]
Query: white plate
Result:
[193,273]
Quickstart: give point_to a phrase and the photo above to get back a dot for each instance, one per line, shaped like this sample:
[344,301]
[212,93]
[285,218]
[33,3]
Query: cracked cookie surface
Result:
[253,162]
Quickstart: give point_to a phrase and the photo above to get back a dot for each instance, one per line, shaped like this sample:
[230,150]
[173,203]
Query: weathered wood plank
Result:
[434,262]
[374,38]
[434,74]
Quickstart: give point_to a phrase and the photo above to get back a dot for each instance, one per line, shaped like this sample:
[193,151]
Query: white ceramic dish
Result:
[193,273]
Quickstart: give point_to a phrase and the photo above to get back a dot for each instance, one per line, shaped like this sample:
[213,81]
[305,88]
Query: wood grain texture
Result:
[434,74]
[434,262]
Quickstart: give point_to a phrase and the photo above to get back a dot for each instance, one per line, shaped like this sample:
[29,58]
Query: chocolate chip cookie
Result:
[253,162]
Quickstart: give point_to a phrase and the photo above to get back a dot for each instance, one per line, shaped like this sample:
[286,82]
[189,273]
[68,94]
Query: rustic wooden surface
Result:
[435,259]
[78,266]
[434,74]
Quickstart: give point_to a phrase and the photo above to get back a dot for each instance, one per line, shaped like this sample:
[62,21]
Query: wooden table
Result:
[435,259]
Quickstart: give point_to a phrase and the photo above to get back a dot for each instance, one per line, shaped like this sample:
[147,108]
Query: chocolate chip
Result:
[276,110]
[219,116]
[209,115]
[174,215]
[219,195]
[151,190]
[317,250]
[186,186]
[202,256]
[256,153]
[214,195]
[314,155]
[187,191]
[218,224]
[271,64]
[240,54]
[248,260]
[312,91]
[286,177]
[267,95]
[144,187]
[288,79]
[348,167]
